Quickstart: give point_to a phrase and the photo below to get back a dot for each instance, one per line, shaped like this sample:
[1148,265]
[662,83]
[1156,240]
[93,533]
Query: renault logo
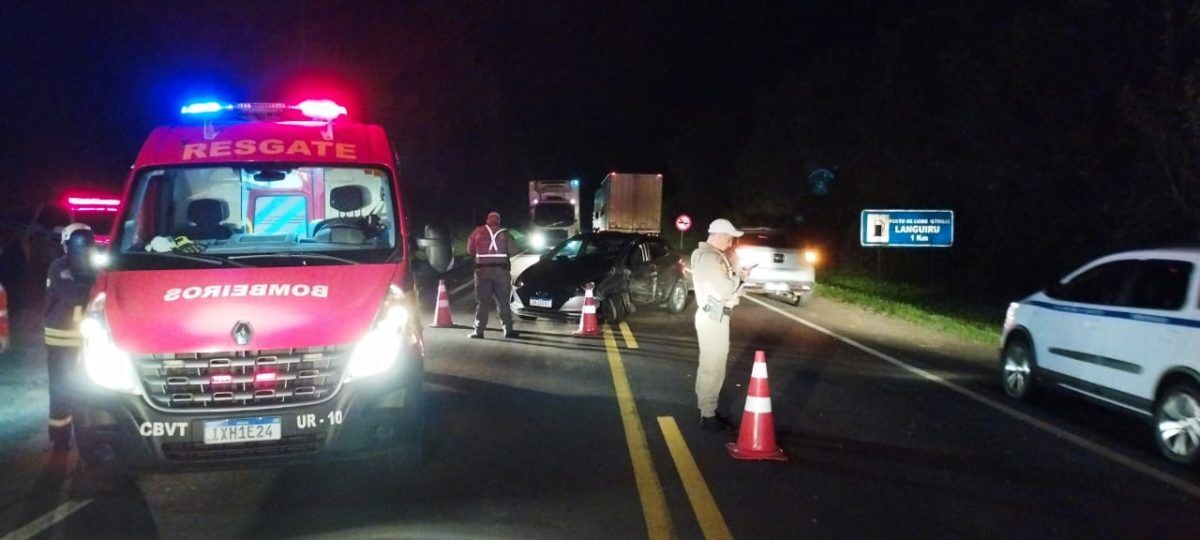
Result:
[242,333]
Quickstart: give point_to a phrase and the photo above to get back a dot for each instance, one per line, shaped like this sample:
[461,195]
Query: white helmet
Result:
[70,229]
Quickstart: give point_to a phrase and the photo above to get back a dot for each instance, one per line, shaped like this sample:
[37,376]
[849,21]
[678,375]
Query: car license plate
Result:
[237,430]
[541,302]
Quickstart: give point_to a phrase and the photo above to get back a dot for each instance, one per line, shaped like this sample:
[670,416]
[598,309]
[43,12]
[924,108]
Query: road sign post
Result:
[905,229]
[683,222]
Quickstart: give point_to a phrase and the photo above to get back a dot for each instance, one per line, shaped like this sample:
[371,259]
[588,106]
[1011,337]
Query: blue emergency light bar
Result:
[204,107]
[316,109]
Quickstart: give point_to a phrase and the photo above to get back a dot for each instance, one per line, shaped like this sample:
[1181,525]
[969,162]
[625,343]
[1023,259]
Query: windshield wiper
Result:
[215,261]
[296,255]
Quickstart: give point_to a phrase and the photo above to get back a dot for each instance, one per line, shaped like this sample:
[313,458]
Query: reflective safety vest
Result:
[66,296]
[490,246]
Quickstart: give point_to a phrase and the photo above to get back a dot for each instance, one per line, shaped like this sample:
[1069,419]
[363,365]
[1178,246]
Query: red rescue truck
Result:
[257,304]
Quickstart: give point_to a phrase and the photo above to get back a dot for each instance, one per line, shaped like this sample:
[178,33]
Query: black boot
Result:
[716,422]
[511,333]
[476,334]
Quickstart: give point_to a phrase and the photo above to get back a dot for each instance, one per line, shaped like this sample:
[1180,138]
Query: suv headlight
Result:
[105,363]
[377,351]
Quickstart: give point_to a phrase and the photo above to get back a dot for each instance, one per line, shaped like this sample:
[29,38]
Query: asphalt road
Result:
[891,432]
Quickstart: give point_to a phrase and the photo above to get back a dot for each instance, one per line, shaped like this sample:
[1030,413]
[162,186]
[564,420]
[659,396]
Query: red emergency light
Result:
[321,109]
[264,378]
[94,208]
[92,201]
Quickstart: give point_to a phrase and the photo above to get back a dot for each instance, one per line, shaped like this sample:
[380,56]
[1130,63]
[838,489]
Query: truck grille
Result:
[292,445]
[241,379]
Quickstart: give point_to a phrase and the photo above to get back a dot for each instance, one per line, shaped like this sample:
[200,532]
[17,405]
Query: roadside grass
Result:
[923,306]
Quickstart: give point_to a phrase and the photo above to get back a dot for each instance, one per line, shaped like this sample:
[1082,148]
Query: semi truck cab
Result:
[258,306]
[553,212]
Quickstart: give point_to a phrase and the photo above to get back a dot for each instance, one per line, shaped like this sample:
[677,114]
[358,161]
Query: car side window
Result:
[658,250]
[1102,285]
[638,256]
[1160,284]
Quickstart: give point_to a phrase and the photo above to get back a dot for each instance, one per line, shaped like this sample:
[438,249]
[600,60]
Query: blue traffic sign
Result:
[907,228]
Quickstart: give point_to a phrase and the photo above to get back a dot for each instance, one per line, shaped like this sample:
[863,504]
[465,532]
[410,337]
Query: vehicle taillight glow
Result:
[321,109]
[264,377]
[223,378]
[92,201]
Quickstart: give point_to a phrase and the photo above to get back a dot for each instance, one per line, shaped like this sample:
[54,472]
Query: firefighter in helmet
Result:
[68,284]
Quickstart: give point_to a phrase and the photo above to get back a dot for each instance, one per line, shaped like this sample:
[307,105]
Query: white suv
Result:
[779,267]
[1124,331]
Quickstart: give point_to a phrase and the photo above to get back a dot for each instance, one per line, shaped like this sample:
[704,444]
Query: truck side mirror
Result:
[436,244]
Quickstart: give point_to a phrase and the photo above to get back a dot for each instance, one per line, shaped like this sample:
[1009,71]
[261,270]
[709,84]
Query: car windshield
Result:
[553,214]
[263,216]
[606,248]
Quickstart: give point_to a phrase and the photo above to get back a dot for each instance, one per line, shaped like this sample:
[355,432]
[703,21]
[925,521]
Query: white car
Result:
[777,266]
[1124,331]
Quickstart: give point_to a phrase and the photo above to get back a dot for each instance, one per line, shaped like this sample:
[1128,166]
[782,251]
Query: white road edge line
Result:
[1000,407]
[47,520]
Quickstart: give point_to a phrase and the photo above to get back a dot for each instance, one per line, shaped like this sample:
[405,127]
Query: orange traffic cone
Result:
[441,313]
[756,439]
[588,324]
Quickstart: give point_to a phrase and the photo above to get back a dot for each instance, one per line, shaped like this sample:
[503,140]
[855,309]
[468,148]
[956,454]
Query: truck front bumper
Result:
[367,417]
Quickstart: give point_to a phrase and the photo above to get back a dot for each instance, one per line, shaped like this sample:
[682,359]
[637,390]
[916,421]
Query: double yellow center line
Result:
[654,503]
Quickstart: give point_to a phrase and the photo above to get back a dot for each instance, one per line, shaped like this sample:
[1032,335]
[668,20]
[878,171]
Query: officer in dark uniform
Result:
[492,247]
[68,284]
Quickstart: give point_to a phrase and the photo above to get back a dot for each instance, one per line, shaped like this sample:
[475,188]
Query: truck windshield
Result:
[274,213]
[553,214]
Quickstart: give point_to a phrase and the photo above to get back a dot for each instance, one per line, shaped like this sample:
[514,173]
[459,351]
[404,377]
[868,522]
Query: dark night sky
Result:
[477,95]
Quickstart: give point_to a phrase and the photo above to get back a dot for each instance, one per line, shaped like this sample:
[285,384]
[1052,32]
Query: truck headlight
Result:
[537,241]
[105,363]
[377,351]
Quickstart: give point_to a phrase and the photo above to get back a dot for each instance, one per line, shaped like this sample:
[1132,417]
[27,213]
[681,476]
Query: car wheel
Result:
[611,310]
[1177,423]
[1017,367]
[678,299]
